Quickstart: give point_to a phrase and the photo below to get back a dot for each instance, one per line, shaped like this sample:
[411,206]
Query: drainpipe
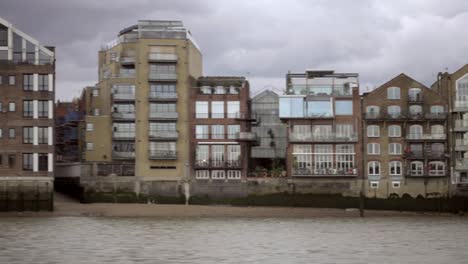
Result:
[363,185]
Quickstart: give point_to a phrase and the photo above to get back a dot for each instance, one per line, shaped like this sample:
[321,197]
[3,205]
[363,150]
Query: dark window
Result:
[1,133]
[27,161]
[1,77]
[27,135]
[43,82]
[11,133]
[43,135]
[3,36]
[28,81]
[43,162]
[1,107]
[28,108]
[1,160]
[43,108]
[11,161]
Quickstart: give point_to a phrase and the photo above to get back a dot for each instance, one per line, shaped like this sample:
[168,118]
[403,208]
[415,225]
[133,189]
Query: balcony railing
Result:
[461,125]
[416,99]
[426,173]
[164,57]
[163,115]
[419,154]
[461,164]
[163,96]
[163,135]
[436,116]
[123,96]
[246,136]
[426,136]
[461,104]
[162,154]
[162,76]
[123,135]
[123,154]
[218,164]
[309,172]
[461,144]
[329,137]
[124,116]
[127,60]
[126,73]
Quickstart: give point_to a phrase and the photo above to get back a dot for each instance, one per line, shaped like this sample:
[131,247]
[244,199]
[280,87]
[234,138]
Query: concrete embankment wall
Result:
[26,193]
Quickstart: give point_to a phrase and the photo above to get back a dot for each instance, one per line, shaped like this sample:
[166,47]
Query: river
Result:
[233,240]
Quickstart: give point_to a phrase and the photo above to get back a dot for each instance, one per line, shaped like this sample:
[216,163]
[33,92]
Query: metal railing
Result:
[162,154]
[324,172]
[425,172]
[461,124]
[123,154]
[162,96]
[163,134]
[123,96]
[124,116]
[246,136]
[461,164]
[163,115]
[299,137]
[412,136]
[127,60]
[123,135]
[156,56]
[162,76]
[218,163]
[417,98]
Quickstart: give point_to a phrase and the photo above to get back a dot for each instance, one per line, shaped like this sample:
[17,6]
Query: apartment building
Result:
[138,114]
[68,131]
[405,139]
[271,133]
[455,86]
[221,128]
[27,70]
[321,110]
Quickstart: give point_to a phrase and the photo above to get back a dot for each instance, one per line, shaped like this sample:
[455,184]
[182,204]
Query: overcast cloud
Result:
[261,40]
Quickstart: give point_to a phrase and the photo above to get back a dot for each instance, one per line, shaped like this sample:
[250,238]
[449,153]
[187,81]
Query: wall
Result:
[26,193]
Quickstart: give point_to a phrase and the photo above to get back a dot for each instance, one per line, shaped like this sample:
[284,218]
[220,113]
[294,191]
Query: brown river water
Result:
[234,240]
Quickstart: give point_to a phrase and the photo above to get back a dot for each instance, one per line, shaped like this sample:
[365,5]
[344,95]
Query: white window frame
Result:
[374,164]
[373,131]
[395,168]
[393,147]
[89,127]
[374,148]
[393,93]
[89,145]
[394,131]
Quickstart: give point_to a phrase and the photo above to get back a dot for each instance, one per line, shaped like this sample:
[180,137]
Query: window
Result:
[217,155]
[415,111]
[291,107]
[1,105]
[28,82]
[202,155]
[302,159]
[233,109]
[394,149]
[396,184]
[345,159]
[11,80]
[163,71]
[233,155]
[43,135]
[95,92]
[218,175]
[438,131]
[437,109]
[374,184]
[28,108]
[124,130]
[12,106]
[201,109]
[96,112]
[344,130]
[163,91]
[201,132]
[233,130]
[11,161]
[43,107]
[394,111]
[416,150]
[436,168]
[202,174]
[372,111]
[27,135]
[373,168]
[217,131]
[414,94]
[321,131]
[43,162]
[393,93]
[319,108]
[43,82]
[123,91]
[11,133]
[27,161]
[217,109]
[344,107]
[127,110]
[89,127]
[373,148]
[302,132]
[416,168]
[323,159]
[394,131]
[219,90]
[415,132]
[373,131]
[233,174]
[437,149]
[89,146]
[395,168]
[1,133]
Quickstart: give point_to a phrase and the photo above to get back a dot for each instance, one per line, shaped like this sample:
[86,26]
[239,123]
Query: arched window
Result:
[394,131]
[437,131]
[395,168]
[437,109]
[436,168]
[414,95]
[415,111]
[393,93]
[394,111]
[416,168]
[415,132]
[373,131]
[394,149]
[373,149]
[372,111]
[373,168]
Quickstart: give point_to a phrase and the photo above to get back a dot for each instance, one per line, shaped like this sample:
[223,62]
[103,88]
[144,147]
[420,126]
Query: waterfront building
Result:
[27,84]
[68,131]
[405,139]
[221,123]
[322,113]
[139,115]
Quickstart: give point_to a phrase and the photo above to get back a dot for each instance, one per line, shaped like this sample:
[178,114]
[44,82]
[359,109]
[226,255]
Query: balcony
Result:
[415,99]
[123,97]
[419,155]
[374,116]
[436,116]
[425,137]
[246,136]
[123,155]
[217,164]
[309,172]
[329,137]
[461,164]
[127,60]
[123,135]
[414,155]
[243,116]
[163,115]
[163,77]
[163,135]
[162,154]
[461,125]
[157,96]
[130,116]
[461,145]
[126,73]
[461,104]
[162,57]
[425,173]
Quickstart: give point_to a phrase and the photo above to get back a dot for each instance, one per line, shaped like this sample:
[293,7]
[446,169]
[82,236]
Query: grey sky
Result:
[261,39]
